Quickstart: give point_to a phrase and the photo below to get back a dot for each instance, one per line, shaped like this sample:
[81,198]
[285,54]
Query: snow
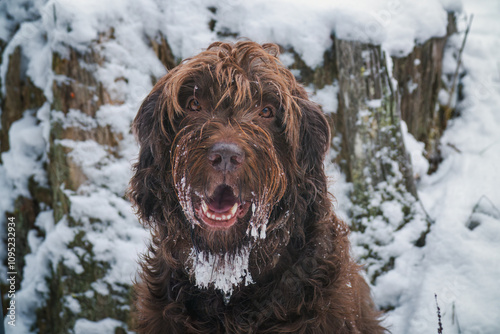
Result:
[72,304]
[108,325]
[327,98]
[420,165]
[26,150]
[118,239]
[397,25]
[19,163]
[460,259]
[260,216]
[223,272]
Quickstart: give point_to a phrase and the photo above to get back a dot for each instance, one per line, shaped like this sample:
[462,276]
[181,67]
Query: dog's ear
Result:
[152,121]
[314,137]
[154,134]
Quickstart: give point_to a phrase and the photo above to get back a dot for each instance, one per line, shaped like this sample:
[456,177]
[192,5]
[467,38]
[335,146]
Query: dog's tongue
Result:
[222,200]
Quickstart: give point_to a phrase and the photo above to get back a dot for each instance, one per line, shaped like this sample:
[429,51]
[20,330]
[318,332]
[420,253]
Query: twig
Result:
[440,328]
[454,147]
[455,318]
[488,147]
[455,75]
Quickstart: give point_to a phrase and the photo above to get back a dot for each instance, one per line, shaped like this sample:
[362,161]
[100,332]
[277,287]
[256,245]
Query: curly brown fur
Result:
[300,277]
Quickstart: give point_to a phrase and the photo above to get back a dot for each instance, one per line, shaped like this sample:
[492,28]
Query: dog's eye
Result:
[194,105]
[267,112]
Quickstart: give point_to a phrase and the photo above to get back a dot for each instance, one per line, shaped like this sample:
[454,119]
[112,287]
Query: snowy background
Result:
[459,264]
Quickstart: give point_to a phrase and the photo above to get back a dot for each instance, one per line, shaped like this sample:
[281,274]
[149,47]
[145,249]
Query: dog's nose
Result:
[226,157]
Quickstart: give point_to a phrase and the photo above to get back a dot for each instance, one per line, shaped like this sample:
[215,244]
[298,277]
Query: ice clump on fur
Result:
[183,188]
[222,271]
[185,200]
[260,217]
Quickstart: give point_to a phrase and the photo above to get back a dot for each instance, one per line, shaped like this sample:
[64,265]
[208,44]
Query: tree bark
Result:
[419,78]
[369,118]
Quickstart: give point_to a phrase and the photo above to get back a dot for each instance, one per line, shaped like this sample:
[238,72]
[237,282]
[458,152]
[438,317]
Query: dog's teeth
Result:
[219,216]
[234,208]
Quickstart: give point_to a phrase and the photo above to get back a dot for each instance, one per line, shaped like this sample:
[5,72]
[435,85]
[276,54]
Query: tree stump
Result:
[373,156]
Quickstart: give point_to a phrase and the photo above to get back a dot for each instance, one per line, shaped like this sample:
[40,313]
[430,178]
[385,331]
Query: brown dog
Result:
[230,179]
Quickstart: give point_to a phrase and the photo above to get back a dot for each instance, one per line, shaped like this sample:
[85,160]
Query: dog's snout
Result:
[226,157]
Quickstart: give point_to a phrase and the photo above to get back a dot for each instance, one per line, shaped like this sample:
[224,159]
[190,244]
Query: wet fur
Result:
[305,279]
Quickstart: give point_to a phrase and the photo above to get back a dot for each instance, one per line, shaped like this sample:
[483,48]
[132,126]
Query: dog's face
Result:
[228,140]
[228,153]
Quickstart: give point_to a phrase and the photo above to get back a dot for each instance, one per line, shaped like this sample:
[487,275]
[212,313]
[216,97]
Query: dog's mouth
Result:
[222,209]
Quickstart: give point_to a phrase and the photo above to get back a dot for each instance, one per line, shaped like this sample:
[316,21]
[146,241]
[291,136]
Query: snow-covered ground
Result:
[459,263]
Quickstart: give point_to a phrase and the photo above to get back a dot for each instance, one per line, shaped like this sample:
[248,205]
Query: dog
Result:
[230,180]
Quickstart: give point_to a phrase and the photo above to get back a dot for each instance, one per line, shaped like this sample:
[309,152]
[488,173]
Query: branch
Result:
[448,108]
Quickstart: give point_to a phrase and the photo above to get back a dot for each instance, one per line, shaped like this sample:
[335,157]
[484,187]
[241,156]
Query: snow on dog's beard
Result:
[219,258]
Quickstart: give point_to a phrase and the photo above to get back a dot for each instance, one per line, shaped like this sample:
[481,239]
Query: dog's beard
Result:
[227,218]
